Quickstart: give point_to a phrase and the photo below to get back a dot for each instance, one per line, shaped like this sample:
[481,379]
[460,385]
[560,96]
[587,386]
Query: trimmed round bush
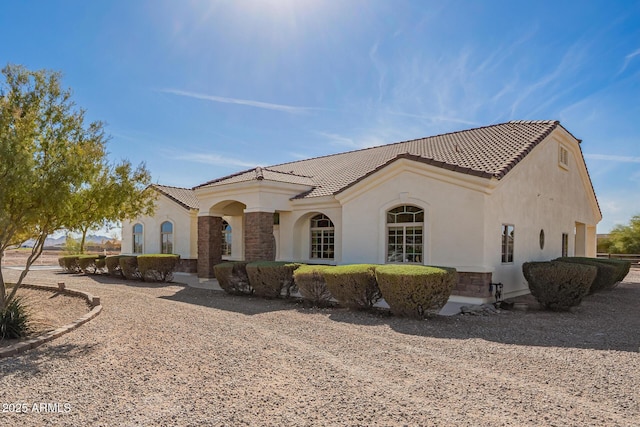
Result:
[70,263]
[415,290]
[14,320]
[113,265]
[606,277]
[157,267]
[623,266]
[558,286]
[232,277]
[311,284]
[269,278]
[354,286]
[88,263]
[129,267]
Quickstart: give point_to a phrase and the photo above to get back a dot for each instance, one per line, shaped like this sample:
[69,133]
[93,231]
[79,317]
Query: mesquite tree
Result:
[48,155]
[117,192]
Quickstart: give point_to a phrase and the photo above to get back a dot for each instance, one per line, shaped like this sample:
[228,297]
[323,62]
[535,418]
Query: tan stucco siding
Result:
[185,229]
[539,194]
[454,218]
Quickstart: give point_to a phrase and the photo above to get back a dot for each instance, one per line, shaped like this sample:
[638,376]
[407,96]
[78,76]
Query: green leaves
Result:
[54,168]
[625,239]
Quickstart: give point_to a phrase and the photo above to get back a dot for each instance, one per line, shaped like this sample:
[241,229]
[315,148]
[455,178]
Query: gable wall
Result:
[454,217]
[537,195]
[185,228]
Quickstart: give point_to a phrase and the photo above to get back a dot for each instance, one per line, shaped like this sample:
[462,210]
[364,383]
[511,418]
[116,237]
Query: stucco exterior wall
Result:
[454,217]
[185,230]
[539,194]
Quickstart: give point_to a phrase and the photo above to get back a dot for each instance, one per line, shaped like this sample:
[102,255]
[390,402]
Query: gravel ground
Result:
[167,354]
[49,310]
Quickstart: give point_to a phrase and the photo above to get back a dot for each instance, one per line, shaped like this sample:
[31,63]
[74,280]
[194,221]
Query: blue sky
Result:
[201,89]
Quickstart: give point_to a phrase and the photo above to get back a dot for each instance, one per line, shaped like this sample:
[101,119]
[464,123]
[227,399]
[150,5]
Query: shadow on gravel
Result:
[220,300]
[34,362]
[110,280]
[604,321]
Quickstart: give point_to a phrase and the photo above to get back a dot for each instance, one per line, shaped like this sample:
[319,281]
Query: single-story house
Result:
[482,200]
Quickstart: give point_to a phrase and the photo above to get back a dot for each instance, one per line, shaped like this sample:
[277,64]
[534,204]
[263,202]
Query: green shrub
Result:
[269,278]
[606,277]
[129,267]
[623,266]
[232,277]
[88,264]
[158,267]
[559,285]
[311,284]
[101,264]
[415,290]
[113,265]
[14,320]
[354,286]
[70,263]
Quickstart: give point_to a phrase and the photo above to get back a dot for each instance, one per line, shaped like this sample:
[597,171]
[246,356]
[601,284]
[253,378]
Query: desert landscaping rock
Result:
[166,354]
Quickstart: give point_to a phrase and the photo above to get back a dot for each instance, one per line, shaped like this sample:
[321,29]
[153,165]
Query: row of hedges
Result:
[88,264]
[148,267]
[410,290]
[563,283]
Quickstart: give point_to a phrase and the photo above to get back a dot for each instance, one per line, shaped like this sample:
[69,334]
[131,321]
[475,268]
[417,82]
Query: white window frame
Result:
[322,243]
[134,235]
[170,235]
[415,257]
[507,248]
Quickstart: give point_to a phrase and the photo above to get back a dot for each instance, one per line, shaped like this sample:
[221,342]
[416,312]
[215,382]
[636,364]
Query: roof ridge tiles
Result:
[398,143]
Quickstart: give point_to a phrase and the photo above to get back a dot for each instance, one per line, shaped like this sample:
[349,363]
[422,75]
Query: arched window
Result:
[137,239]
[405,225]
[226,238]
[166,237]
[322,237]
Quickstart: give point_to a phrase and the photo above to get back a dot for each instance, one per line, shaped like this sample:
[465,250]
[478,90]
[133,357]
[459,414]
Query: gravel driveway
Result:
[174,355]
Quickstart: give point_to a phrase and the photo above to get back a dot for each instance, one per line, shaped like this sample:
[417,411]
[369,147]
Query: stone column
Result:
[209,244]
[259,244]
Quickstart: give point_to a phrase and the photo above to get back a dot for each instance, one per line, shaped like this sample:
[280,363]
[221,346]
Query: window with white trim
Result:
[322,237]
[507,243]
[405,234]
[166,238]
[137,238]
[226,238]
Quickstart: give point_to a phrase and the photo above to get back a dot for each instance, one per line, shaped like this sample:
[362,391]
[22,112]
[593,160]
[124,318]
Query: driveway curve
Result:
[168,354]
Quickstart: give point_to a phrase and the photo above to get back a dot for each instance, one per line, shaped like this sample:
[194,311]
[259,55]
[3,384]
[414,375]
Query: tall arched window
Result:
[405,225]
[166,237]
[322,237]
[226,238]
[137,239]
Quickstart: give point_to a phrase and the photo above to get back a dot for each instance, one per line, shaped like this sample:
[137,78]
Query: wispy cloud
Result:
[613,158]
[215,159]
[248,102]
[336,139]
[380,67]
[436,118]
[628,59]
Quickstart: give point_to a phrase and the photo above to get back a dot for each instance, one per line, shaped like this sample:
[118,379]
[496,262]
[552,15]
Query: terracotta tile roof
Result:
[489,152]
[185,197]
